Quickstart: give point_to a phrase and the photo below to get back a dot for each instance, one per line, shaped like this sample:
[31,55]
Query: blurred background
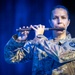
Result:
[18,13]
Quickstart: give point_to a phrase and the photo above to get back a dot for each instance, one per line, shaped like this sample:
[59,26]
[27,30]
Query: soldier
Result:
[53,56]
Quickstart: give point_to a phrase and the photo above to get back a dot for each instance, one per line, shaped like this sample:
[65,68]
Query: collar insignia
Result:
[72,44]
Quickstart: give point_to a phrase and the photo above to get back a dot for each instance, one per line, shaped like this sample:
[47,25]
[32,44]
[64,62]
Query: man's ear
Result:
[68,23]
[50,23]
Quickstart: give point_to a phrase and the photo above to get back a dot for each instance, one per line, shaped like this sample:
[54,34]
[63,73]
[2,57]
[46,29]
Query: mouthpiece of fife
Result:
[29,29]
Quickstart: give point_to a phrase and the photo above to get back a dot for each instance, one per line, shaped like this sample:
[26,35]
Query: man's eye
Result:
[55,17]
[63,17]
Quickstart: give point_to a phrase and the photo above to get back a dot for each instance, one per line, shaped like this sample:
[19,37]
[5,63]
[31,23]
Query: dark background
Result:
[16,13]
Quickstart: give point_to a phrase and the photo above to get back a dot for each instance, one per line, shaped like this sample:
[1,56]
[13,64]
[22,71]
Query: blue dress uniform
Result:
[50,57]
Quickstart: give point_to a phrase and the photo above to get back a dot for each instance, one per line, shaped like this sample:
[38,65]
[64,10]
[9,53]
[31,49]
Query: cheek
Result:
[66,24]
[53,23]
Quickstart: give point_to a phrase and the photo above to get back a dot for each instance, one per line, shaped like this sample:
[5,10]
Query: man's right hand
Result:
[22,36]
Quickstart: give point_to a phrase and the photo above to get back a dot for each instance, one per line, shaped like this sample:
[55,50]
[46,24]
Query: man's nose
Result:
[59,20]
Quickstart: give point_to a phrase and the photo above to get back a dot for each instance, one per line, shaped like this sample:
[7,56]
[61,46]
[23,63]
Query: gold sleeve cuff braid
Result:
[18,56]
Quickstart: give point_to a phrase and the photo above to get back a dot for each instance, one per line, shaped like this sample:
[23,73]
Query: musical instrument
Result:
[29,29]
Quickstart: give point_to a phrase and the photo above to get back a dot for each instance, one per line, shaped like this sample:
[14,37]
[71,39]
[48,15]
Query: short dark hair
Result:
[60,6]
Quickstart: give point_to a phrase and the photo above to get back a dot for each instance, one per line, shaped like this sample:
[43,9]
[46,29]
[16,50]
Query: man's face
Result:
[59,19]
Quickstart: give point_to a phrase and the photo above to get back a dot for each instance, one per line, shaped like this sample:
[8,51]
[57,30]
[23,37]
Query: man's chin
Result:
[59,32]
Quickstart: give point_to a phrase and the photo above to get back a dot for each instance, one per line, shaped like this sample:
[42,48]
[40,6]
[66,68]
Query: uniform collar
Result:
[68,37]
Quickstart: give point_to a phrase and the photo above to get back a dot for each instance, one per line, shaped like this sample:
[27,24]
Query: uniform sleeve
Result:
[68,51]
[15,52]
